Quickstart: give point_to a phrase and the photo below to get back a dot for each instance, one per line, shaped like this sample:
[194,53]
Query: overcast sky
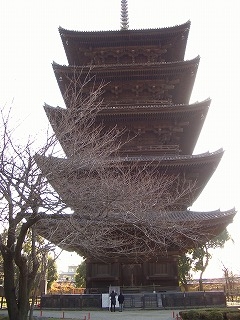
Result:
[30,42]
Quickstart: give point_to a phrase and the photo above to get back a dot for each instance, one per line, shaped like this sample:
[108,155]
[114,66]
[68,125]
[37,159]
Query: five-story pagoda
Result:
[148,85]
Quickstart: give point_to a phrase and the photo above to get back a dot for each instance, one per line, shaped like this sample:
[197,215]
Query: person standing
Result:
[121,300]
[113,295]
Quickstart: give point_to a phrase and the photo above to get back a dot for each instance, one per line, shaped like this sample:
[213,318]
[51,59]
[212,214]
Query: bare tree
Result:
[88,200]
[27,197]
[231,284]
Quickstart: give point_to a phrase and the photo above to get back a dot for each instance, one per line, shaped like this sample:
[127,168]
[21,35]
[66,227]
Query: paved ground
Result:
[107,315]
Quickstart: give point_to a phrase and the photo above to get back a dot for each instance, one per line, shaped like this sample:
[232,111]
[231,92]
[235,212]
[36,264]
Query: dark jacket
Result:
[113,297]
[121,298]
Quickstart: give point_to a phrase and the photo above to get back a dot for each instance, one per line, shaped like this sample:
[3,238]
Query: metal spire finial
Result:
[124,15]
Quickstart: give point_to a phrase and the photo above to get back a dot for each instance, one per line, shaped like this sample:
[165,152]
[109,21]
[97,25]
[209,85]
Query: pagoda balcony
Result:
[157,150]
[137,105]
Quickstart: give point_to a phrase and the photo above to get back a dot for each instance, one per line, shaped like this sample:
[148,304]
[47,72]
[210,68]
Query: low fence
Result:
[164,300]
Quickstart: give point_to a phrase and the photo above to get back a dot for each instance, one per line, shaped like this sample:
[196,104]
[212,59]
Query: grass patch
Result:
[211,314]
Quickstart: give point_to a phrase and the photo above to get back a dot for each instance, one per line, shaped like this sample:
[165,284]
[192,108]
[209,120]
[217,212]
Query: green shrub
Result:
[193,315]
[233,315]
[215,315]
[204,315]
[190,315]
[184,315]
[207,314]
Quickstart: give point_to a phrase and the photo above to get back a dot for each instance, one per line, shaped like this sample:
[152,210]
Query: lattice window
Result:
[156,268]
[100,269]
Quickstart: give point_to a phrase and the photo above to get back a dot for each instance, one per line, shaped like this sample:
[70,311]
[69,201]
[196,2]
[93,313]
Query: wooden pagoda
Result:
[148,88]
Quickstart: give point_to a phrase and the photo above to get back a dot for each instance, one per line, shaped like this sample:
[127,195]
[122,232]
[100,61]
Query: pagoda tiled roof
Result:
[180,160]
[181,73]
[175,160]
[172,39]
[187,166]
[125,33]
[168,67]
[163,110]
[208,216]
[201,226]
[190,117]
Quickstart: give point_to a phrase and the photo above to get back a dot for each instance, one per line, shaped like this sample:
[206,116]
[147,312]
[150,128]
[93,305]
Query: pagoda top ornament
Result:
[124,15]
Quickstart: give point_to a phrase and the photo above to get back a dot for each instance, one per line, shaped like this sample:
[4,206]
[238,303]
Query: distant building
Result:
[68,276]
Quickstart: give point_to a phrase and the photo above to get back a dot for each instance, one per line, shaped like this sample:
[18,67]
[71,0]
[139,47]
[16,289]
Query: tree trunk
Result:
[201,282]
[9,287]
[34,295]
[23,299]
[17,304]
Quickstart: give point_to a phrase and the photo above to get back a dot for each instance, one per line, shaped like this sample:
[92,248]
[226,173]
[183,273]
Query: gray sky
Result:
[30,42]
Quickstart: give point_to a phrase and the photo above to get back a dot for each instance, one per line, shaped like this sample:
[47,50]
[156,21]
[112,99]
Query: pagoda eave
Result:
[167,67]
[65,175]
[185,121]
[175,80]
[85,35]
[174,37]
[202,226]
[158,109]
[162,161]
